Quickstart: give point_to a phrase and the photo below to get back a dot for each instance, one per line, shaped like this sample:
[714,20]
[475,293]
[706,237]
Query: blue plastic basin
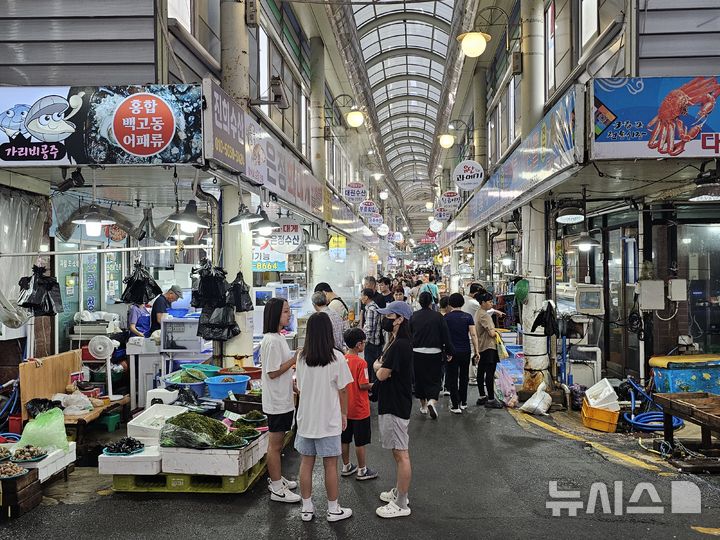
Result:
[219,390]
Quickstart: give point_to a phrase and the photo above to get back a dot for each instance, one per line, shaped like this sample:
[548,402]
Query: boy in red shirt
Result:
[358,416]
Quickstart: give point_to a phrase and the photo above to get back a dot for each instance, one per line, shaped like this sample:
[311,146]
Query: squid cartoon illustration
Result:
[12,121]
[46,120]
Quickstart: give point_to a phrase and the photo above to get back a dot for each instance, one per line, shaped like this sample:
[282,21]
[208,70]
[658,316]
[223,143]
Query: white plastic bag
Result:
[75,404]
[539,402]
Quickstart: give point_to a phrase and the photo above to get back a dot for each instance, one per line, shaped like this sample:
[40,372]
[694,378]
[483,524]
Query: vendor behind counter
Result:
[162,304]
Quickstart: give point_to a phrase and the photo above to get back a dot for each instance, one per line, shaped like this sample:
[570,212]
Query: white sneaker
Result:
[390,496]
[290,484]
[392,510]
[444,393]
[285,495]
[307,515]
[344,513]
[423,410]
[463,406]
[456,411]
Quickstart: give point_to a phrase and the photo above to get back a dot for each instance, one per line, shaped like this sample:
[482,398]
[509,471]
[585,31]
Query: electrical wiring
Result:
[646,183]
[677,308]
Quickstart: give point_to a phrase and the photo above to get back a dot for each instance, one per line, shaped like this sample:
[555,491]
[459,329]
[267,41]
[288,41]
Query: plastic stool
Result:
[110,421]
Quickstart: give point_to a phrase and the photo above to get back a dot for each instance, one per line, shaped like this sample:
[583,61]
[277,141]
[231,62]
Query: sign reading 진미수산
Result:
[107,125]
[655,117]
[224,127]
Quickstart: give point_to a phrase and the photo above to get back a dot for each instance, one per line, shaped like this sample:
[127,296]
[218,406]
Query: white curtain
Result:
[22,223]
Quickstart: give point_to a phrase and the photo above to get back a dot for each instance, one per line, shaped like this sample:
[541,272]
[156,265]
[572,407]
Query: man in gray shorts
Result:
[394,390]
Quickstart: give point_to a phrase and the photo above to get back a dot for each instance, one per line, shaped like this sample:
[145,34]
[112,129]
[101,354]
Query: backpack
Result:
[346,323]
[427,288]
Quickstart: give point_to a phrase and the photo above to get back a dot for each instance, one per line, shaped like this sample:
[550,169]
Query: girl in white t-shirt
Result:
[322,375]
[277,395]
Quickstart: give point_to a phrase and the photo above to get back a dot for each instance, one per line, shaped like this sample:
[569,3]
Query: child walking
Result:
[358,424]
[322,377]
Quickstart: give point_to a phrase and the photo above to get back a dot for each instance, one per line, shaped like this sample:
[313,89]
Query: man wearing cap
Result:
[162,304]
[394,371]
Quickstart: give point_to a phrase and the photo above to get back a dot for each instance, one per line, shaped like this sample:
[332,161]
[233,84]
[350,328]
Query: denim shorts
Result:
[324,447]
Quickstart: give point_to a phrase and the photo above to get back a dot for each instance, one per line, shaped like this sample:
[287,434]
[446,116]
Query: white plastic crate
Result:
[147,425]
[147,462]
[214,462]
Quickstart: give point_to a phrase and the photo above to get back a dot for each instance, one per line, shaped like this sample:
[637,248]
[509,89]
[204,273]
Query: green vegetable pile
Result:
[247,431]
[199,424]
[231,439]
[254,415]
[190,376]
[235,369]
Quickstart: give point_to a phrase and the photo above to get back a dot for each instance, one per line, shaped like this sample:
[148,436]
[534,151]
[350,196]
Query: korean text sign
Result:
[224,126]
[656,117]
[109,125]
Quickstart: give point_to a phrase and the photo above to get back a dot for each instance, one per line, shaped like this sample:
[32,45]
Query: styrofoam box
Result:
[214,462]
[147,462]
[256,450]
[147,425]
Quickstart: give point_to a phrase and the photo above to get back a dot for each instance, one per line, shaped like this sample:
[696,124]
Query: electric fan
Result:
[102,348]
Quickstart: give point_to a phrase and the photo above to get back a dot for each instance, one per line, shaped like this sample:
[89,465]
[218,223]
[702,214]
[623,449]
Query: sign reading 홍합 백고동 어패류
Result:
[108,125]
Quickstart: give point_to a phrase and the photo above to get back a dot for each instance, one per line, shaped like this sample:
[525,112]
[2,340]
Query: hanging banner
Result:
[367,208]
[442,214]
[655,117]
[355,192]
[223,128]
[266,259]
[288,238]
[451,200]
[375,220]
[552,151]
[255,154]
[108,125]
[337,248]
[468,175]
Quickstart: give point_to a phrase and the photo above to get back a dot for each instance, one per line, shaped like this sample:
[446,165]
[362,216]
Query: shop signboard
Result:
[355,192]
[383,230]
[375,220]
[655,117]
[442,214]
[108,125]
[255,160]
[398,237]
[468,175]
[223,128]
[367,208]
[288,238]
[337,248]
[451,200]
[553,147]
[266,259]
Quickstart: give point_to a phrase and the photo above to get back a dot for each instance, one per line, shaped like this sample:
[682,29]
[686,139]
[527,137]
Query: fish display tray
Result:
[188,483]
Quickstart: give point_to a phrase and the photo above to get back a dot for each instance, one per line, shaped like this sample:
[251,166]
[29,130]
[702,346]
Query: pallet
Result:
[696,465]
[187,483]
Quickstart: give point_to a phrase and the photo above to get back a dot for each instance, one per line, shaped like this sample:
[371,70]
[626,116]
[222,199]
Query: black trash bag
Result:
[218,324]
[212,286]
[548,320]
[41,405]
[40,293]
[140,286]
[577,393]
[239,295]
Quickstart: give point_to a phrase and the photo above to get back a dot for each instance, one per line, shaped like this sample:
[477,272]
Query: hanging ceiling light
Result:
[569,215]
[447,140]
[188,219]
[473,44]
[94,220]
[431,218]
[355,118]
[708,183]
[585,242]
[507,259]
[429,206]
[404,229]
[179,236]
[265,226]
[244,215]
[384,194]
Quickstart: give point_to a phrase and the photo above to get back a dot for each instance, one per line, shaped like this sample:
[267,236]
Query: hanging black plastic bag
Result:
[140,286]
[239,295]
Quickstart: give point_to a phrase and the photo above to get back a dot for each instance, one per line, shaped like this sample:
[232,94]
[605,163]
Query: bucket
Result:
[252,372]
[207,369]
[198,387]
[219,389]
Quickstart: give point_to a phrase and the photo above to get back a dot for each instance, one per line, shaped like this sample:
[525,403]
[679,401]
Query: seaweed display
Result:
[197,423]
[232,439]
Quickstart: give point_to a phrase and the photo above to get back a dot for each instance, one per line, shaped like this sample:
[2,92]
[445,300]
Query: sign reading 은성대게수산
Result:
[288,238]
[656,117]
[224,127]
[108,125]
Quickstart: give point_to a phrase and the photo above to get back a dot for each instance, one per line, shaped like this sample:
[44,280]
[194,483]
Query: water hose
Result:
[651,421]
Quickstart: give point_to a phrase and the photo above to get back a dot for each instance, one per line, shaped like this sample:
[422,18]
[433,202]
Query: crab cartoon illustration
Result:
[668,127]
[12,121]
[46,120]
